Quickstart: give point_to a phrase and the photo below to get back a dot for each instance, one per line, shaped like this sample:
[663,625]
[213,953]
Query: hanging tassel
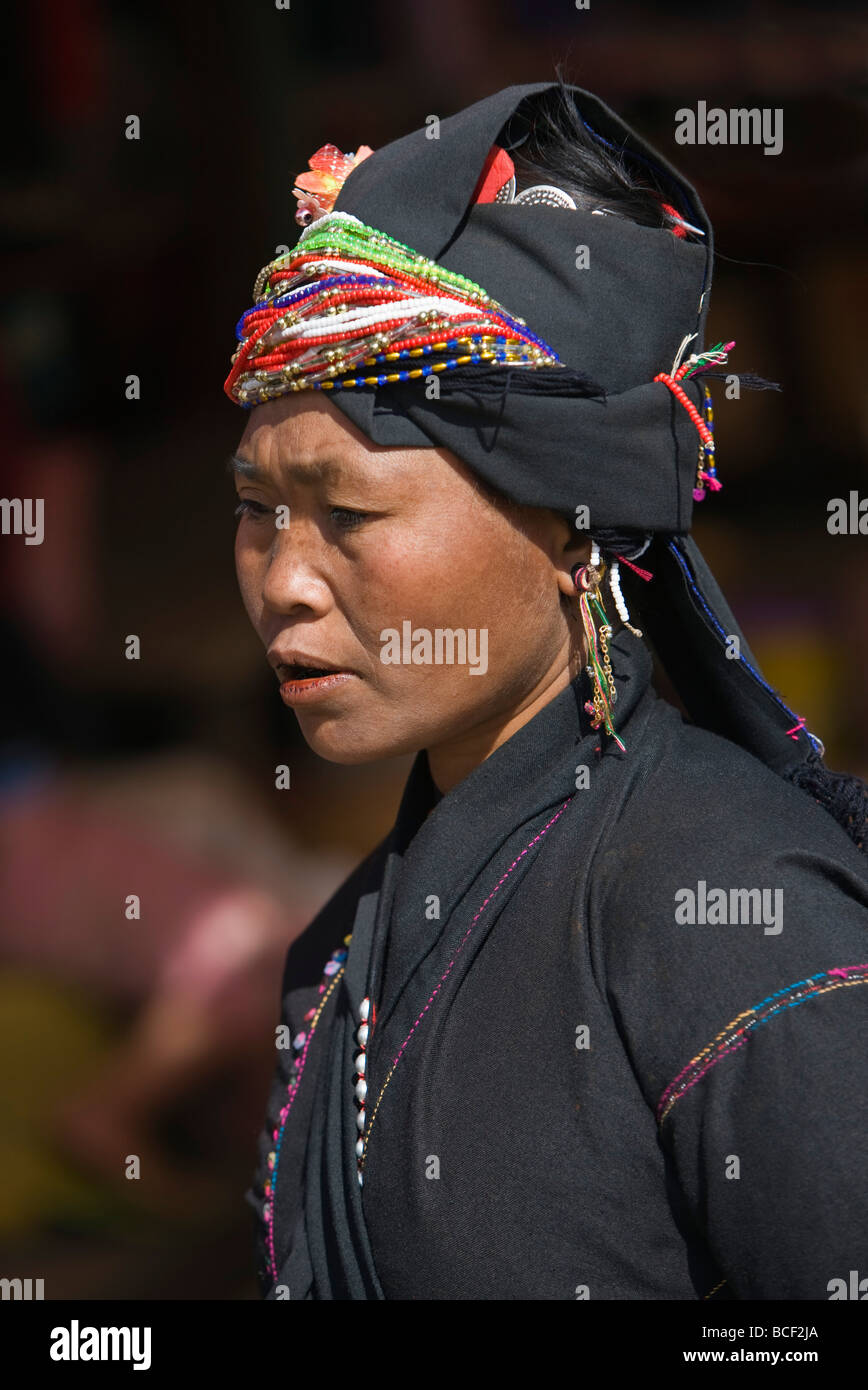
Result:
[706,474]
[643,574]
[698,362]
[587,581]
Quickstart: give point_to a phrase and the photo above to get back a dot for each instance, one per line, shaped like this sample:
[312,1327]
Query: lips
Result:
[296,665]
[295,672]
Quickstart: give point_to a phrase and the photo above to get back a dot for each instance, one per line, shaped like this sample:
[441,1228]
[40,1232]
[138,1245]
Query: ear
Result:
[574,549]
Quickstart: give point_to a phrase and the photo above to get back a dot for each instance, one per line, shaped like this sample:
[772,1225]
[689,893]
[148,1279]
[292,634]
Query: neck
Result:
[450,762]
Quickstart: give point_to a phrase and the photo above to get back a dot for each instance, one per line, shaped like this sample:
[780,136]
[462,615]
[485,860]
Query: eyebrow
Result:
[305,472]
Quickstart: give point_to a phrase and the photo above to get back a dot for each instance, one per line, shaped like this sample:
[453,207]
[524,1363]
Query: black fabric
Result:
[722,686]
[557,909]
[631,458]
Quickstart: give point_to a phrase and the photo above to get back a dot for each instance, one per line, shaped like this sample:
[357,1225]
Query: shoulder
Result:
[699,810]
[717,888]
[311,949]
[701,795]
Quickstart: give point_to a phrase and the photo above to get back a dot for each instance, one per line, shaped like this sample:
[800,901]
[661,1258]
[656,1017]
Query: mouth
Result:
[289,665]
[303,676]
[302,685]
[295,672]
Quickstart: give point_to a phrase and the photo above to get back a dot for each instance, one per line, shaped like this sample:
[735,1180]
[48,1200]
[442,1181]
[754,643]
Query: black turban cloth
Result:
[629,455]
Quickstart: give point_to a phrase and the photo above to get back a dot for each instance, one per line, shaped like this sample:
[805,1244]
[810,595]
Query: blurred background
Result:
[154,1035]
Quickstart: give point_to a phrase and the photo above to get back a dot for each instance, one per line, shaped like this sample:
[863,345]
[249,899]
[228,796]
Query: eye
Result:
[350,519]
[247,507]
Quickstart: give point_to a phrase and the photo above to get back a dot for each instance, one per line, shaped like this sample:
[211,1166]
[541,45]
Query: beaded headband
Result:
[348,295]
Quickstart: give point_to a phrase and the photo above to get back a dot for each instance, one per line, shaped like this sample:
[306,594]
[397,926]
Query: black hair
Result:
[549,142]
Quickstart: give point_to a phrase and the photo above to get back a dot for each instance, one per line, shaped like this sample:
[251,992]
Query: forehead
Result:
[304,421]
[306,435]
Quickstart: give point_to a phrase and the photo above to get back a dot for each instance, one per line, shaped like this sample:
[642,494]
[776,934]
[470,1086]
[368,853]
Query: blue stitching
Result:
[725,635]
[811,993]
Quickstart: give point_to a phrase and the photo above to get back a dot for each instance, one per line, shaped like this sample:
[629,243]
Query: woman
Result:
[577,1027]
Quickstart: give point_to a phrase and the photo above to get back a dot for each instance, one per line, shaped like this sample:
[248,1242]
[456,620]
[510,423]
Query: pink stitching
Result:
[367,1135]
[472,924]
[283,1117]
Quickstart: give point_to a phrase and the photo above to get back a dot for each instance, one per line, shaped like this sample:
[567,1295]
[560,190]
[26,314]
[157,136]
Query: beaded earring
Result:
[599,668]
[620,604]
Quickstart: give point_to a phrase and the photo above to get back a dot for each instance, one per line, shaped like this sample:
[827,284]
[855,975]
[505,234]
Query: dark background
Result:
[156,776]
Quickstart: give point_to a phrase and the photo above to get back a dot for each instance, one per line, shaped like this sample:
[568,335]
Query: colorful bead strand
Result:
[706,473]
[333,971]
[385,301]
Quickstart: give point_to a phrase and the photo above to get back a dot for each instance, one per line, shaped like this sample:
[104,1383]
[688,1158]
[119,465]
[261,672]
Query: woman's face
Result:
[356,556]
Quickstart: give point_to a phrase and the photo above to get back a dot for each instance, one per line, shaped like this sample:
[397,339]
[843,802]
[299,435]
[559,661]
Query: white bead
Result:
[362,1034]
[361,1063]
[615,586]
[360,1119]
[360,1147]
[361,1180]
[364,1008]
[361,1088]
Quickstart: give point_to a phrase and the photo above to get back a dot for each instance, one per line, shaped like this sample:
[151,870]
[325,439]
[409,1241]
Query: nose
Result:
[294,576]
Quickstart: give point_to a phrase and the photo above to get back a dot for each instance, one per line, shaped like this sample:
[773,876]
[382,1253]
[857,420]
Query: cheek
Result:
[464,569]
[250,572]
[425,573]
[474,567]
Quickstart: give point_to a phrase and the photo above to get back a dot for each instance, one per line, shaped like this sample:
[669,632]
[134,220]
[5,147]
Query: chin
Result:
[343,746]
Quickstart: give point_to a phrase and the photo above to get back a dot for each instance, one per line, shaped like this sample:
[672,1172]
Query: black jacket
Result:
[575,1091]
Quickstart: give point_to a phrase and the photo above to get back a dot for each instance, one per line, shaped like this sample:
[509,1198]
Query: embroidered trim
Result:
[714,1290]
[792,733]
[735,1034]
[449,967]
[334,970]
